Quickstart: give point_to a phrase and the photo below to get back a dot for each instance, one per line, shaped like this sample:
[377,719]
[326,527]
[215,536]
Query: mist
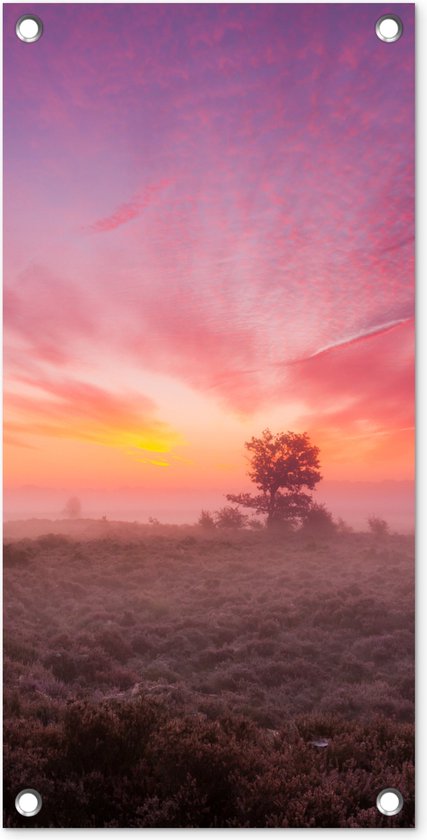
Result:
[353,502]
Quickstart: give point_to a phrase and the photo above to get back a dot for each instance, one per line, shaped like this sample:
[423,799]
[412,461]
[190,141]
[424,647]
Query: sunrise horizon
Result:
[221,266]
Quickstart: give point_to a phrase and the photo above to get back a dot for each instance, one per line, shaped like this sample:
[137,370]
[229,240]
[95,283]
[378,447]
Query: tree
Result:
[73,508]
[281,466]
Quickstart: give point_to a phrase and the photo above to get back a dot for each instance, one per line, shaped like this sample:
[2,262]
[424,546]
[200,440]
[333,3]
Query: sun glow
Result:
[217,266]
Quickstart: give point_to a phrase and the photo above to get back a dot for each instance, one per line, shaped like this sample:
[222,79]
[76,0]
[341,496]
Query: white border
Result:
[421,589]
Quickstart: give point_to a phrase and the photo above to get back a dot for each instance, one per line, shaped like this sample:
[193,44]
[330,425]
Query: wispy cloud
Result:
[82,411]
[376,330]
[130,209]
[360,387]
[153,462]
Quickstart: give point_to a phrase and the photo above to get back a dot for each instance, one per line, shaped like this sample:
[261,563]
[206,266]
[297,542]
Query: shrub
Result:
[114,644]
[16,555]
[232,624]
[141,643]
[318,522]
[121,678]
[54,541]
[62,665]
[230,517]
[206,520]
[135,764]
[108,737]
[378,527]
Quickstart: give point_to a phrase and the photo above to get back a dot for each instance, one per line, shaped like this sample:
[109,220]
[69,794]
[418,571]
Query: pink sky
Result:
[216,206]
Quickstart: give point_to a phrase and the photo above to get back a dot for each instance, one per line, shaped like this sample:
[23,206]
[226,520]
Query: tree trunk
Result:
[271,509]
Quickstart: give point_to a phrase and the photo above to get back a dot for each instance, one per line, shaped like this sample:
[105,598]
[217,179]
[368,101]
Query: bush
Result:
[206,520]
[230,517]
[16,555]
[114,644]
[318,522]
[218,625]
[135,764]
[54,541]
[378,527]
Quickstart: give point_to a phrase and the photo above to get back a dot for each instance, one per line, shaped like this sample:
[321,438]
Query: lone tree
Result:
[281,466]
[73,508]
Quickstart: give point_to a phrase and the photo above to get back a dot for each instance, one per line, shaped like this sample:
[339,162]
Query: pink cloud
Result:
[130,209]
[83,411]
[368,380]
[380,329]
[45,312]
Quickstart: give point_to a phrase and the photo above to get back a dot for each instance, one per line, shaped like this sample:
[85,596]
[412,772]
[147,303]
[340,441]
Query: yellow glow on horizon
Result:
[154,463]
[161,442]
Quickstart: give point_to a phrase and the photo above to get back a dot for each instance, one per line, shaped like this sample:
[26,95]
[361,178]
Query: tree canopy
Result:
[282,467]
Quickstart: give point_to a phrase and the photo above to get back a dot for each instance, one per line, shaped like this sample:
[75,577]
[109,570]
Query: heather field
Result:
[174,676]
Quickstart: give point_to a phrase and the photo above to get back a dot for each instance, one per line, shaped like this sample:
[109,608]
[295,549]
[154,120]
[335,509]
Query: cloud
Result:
[154,463]
[361,387]
[82,411]
[44,312]
[376,330]
[130,209]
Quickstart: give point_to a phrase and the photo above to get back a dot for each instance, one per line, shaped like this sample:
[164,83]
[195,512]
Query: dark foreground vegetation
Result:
[161,676]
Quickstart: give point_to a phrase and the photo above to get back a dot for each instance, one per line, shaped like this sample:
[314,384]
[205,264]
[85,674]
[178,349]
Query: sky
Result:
[208,231]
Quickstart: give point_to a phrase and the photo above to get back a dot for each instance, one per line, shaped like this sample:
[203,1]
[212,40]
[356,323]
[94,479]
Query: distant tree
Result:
[153,521]
[73,508]
[378,527]
[318,521]
[281,466]
[343,528]
[206,520]
[230,517]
